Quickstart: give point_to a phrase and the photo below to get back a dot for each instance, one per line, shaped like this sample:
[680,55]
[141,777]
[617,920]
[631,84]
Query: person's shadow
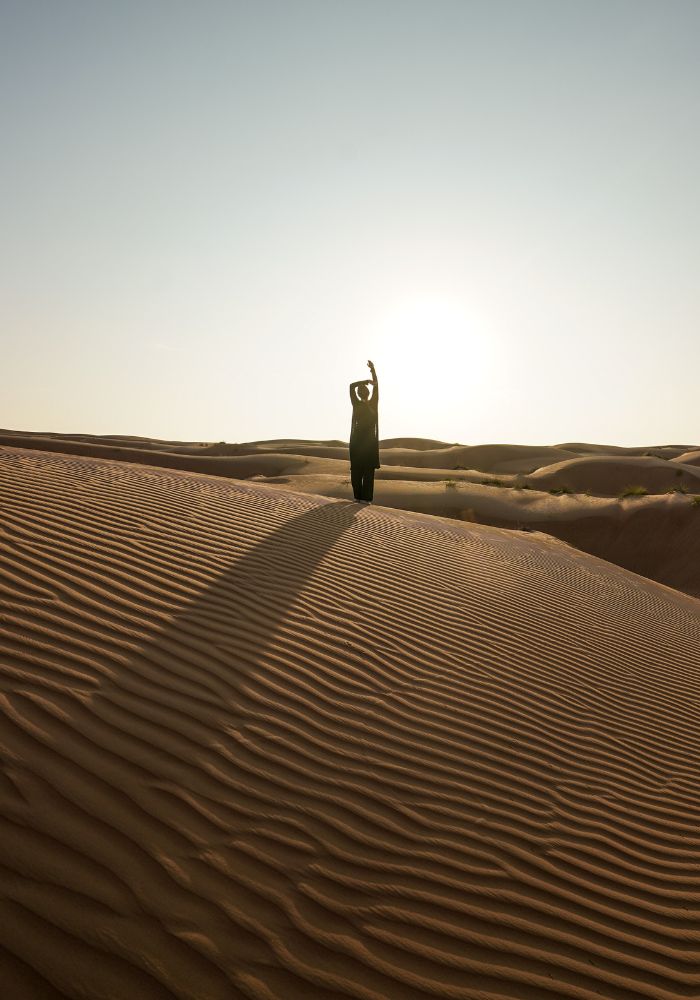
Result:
[162,747]
[213,642]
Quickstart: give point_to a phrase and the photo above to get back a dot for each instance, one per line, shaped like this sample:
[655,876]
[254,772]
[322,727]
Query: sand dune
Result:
[667,451]
[407,452]
[662,542]
[511,458]
[607,475]
[417,453]
[414,443]
[658,536]
[691,457]
[233,461]
[490,458]
[263,744]
[493,458]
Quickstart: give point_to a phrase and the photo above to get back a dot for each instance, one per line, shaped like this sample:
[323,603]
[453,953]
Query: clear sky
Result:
[213,213]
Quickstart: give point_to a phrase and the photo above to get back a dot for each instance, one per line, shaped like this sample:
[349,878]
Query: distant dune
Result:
[688,457]
[590,495]
[667,451]
[263,744]
[608,475]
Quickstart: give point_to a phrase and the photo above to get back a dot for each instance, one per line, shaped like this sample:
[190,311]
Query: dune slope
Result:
[606,475]
[262,744]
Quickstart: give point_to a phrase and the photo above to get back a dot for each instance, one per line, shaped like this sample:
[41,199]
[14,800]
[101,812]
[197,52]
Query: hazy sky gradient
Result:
[215,212]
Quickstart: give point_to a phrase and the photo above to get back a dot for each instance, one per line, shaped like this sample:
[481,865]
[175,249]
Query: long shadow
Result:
[168,803]
[217,640]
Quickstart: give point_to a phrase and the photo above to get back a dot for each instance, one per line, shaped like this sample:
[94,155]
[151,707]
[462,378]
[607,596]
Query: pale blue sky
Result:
[215,212]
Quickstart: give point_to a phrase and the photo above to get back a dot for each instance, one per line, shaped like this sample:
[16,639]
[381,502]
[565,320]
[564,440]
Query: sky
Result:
[214,213]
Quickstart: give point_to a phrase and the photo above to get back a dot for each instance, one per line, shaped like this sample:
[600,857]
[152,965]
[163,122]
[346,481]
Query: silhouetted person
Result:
[364,437]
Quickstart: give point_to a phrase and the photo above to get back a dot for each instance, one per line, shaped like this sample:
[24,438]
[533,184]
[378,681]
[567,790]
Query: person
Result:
[364,436]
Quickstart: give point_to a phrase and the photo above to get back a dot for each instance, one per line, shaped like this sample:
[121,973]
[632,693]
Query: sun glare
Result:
[436,358]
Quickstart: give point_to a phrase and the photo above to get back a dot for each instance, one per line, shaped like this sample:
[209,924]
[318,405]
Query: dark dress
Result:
[364,445]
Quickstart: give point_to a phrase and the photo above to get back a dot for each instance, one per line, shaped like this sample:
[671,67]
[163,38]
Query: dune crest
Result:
[262,744]
[607,475]
[638,507]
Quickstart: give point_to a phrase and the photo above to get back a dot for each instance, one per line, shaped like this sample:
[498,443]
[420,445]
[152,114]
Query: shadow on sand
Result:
[216,642]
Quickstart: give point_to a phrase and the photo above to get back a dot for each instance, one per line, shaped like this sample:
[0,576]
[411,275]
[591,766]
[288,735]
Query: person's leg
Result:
[356,479]
[368,485]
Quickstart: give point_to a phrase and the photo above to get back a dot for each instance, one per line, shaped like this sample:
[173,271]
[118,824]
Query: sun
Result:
[424,324]
[435,357]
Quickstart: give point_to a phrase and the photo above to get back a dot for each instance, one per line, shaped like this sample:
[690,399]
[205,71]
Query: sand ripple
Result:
[262,744]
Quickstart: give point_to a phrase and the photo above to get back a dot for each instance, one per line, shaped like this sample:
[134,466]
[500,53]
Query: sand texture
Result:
[263,744]
[638,507]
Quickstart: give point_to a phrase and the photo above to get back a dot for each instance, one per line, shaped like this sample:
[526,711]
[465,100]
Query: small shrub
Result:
[633,491]
[561,490]
[678,489]
[695,502]
[492,482]
[450,484]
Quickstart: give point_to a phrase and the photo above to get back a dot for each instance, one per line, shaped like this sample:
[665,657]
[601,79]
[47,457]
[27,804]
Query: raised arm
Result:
[375,382]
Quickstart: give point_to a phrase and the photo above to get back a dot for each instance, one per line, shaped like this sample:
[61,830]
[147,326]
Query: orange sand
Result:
[573,491]
[263,744]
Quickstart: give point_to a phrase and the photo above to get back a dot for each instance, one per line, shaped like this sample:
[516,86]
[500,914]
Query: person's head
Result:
[363,391]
